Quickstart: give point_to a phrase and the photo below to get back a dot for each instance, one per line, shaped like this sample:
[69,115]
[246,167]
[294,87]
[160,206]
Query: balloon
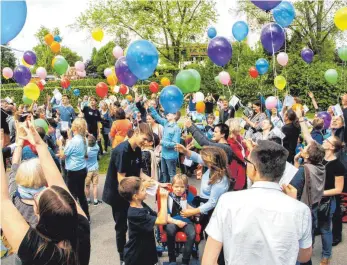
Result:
[116,89]
[101,89]
[55,47]
[142,58]
[253,72]
[219,51]
[280,82]
[41,123]
[41,72]
[22,75]
[76,92]
[284,13]
[32,91]
[165,81]
[117,52]
[7,73]
[262,66]
[79,66]
[154,87]
[342,52]
[81,73]
[331,76]
[307,55]
[26,100]
[224,77]
[123,89]
[123,72]
[199,96]
[196,144]
[13,16]
[271,102]
[216,79]
[272,37]
[49,39]
[25,64]
[200,107]
[240,30]
[97,34]
[266,5]
[282,58]
[55,58]
[197,79]
[186,81]
[171,98]
[326,117]
[340,18]
[65,83]
[61,66]
[211,32]
[112,80]
[57,38]
[107,72]
[40,85]
[129,98]
[29,57]
[297,106]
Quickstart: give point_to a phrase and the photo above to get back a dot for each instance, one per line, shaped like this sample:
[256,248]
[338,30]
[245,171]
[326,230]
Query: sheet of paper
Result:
[337,110]
[233,101]
[187,162]
[306,109]
[288,101]
[288,174]
[152,190]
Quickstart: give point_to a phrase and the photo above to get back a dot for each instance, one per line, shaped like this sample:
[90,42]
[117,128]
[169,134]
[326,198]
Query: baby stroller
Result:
[181,237]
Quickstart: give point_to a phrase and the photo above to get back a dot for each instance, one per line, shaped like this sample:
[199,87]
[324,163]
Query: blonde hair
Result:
[234,125]
[30,174]
[180,177]
[79,125]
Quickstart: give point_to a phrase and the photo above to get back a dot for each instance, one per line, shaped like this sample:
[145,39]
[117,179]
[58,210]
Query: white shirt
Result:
[261,226]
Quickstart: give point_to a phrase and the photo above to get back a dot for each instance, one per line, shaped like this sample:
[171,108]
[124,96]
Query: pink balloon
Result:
[117,52]
[41,72]
[81,73]
[7,73]
[107,72]
[271,103]
[224,77]
[282,58]
[79,66]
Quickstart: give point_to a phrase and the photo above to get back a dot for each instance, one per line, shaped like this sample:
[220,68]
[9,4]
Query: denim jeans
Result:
[168,170]
[326,231]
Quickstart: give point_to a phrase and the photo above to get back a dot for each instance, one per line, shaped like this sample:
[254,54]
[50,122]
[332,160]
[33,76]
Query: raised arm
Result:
[305,131]
[156,116]
[314,102]
[198,135]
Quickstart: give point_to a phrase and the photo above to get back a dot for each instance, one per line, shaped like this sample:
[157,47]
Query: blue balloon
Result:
[57,38]
[171,98]
[240,30]
[76,92]
[13,16]
[262,66]
[142,58]
[211,32]
[284,13]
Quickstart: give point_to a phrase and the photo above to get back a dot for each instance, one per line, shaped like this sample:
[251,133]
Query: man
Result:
[92,117]
[226,113]
[67,113]
[261,225]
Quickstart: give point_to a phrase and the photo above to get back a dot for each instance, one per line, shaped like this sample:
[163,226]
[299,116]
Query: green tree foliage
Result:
[7,59]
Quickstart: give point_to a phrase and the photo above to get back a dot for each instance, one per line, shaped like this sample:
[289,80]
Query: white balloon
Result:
[116,89]
[199,96]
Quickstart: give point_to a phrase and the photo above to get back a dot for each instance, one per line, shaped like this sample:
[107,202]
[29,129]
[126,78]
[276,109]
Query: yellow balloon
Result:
[129,98]
[26,64]
[97,34]
[280,82]
[156,74]
[32,91]
[112,80]
[165,81]
[340,18]
[216,113]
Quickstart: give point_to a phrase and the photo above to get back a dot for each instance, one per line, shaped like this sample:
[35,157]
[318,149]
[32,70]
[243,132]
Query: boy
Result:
[93,168]
[141,247]
[316,133]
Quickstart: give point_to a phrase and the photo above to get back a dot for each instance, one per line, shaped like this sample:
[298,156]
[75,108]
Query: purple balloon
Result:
[307,55]
[22,75]
[272,37]
[266,5]
[326,118]
[29,57]
[220,51]
[123,72]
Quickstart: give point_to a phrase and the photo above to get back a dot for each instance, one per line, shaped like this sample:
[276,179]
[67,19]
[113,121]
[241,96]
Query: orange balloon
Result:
[165,81]
[55,47]
[129,98]
[112,80]
[200,107]
[297,106]
[49,39]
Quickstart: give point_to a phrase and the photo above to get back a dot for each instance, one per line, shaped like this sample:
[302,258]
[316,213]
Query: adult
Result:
[243,219]
[113,109]
[253,123]
[106,122]
[226,112]
[62,234]
[266,132]
[119,128]
[209,104]
[157,129]
[344,110]
[140,106]
[11,110]
[191,102]
[66,111]
[92,117]
[291,130]
[337,127]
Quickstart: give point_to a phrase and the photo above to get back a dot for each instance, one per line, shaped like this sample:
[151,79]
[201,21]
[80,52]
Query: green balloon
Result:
[216,79]
[27,101]
[61,66]
[197,79]
[196,144]
[342,52]
[186,81]
[41,123]
[331,76]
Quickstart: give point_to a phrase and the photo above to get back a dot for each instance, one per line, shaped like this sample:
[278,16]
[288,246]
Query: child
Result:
[209,128]
[93,170]
[141,247]
[316,132]
[300,145]
[149,159]
[177,202]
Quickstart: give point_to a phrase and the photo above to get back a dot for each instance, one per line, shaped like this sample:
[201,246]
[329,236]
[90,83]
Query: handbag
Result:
[324,209]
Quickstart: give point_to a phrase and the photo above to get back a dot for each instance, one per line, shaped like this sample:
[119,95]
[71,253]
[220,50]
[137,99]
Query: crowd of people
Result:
[270,181]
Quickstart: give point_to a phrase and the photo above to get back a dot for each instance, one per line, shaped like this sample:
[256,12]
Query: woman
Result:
[62,234]
[254,123]
[75,161]
[276,119]
[337,127]
[266,131]
[119,128]
[158,130]
[106,122]
[291,131]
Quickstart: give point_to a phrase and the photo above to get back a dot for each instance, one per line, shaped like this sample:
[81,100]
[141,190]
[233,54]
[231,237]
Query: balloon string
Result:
[237,66]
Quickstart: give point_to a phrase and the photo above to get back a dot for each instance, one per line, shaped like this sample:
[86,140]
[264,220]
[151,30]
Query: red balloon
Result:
[154,87]
[40,85]
[253,72]
[101,89]
[65,83]
[123,89]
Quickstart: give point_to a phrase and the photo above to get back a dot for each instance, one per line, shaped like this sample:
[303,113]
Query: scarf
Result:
[28,193]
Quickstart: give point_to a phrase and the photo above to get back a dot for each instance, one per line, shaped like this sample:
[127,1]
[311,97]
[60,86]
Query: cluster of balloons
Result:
[53,42]
[340,18]
[171,98]
[219,50]
[188,80]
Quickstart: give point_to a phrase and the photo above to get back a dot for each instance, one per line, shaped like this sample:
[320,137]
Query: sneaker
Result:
[96,203]
[325,261]
[89,202]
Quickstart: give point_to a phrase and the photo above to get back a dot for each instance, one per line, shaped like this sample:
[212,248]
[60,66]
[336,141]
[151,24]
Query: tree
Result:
[7,59]
[171,25]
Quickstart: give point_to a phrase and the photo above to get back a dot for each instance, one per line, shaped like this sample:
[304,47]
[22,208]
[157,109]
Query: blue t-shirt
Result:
[192,105]
[92,160]
[75,152]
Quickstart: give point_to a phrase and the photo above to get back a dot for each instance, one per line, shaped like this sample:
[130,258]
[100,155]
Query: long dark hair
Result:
[58,222]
